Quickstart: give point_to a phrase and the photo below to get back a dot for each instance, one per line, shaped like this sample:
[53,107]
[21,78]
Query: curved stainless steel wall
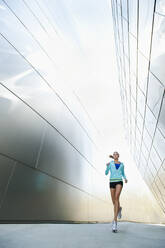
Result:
[139,31]
[48,154]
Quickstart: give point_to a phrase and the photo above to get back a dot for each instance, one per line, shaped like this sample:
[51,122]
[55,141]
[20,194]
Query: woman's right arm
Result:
[107,169]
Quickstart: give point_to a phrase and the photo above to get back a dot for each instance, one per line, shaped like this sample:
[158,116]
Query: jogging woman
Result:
[116,169]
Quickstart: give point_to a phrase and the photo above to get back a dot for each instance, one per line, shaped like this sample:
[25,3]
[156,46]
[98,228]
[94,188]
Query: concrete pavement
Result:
[99,235]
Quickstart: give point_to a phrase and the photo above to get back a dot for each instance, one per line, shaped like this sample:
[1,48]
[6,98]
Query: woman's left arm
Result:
[123,173]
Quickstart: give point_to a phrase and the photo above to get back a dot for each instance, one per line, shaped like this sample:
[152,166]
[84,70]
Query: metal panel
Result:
[140,101]
[13,67]
[160,186]
[147,138]
[146,9]
[158,51]
[124,8]
[159,144]
[33,195]
[6,168]
[142,72]
[22,129]
[14,32]
[152,168]
[37,26]
[160,6]
[60,159]
[32,89]
[150,121]
[161,174]
[155,158]
[133,16]
[149,176]
[155,94]
[161,121]
[133,53]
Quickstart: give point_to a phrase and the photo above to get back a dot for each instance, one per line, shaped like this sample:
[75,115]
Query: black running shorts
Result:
[113,184]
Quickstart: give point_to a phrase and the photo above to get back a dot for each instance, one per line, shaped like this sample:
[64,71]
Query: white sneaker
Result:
[114,226]
[119,213]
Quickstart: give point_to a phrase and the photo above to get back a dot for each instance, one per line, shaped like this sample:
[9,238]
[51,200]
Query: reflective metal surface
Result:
[158,49]
[146,39]
[6,170]
[155,94]
[22,129]
[133,6]
[33,195]
[49,155]
[146,14]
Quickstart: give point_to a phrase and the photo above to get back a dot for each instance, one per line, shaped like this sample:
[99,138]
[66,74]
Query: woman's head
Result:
[116,155]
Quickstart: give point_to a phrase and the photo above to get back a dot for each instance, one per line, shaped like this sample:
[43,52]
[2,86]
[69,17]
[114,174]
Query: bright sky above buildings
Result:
[93,73]
[89,67]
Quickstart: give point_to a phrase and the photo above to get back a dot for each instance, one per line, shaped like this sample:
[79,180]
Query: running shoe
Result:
[119,213]
[114,226]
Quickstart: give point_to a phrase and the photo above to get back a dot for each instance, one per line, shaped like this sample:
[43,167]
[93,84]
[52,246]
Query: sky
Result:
[93,74]
[88,65]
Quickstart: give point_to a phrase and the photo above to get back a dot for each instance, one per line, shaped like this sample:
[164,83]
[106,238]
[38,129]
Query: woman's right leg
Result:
[118,190]
[113,190]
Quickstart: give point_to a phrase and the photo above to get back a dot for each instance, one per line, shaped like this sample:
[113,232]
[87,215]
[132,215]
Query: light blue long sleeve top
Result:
[115,174]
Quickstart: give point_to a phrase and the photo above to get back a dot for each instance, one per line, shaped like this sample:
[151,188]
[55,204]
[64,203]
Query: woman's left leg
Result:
[117,195]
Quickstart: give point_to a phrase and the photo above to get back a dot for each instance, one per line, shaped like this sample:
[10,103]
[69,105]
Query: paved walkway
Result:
[99,235]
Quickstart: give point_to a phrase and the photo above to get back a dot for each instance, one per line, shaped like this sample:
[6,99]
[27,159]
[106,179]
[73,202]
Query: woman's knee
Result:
[116,199]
